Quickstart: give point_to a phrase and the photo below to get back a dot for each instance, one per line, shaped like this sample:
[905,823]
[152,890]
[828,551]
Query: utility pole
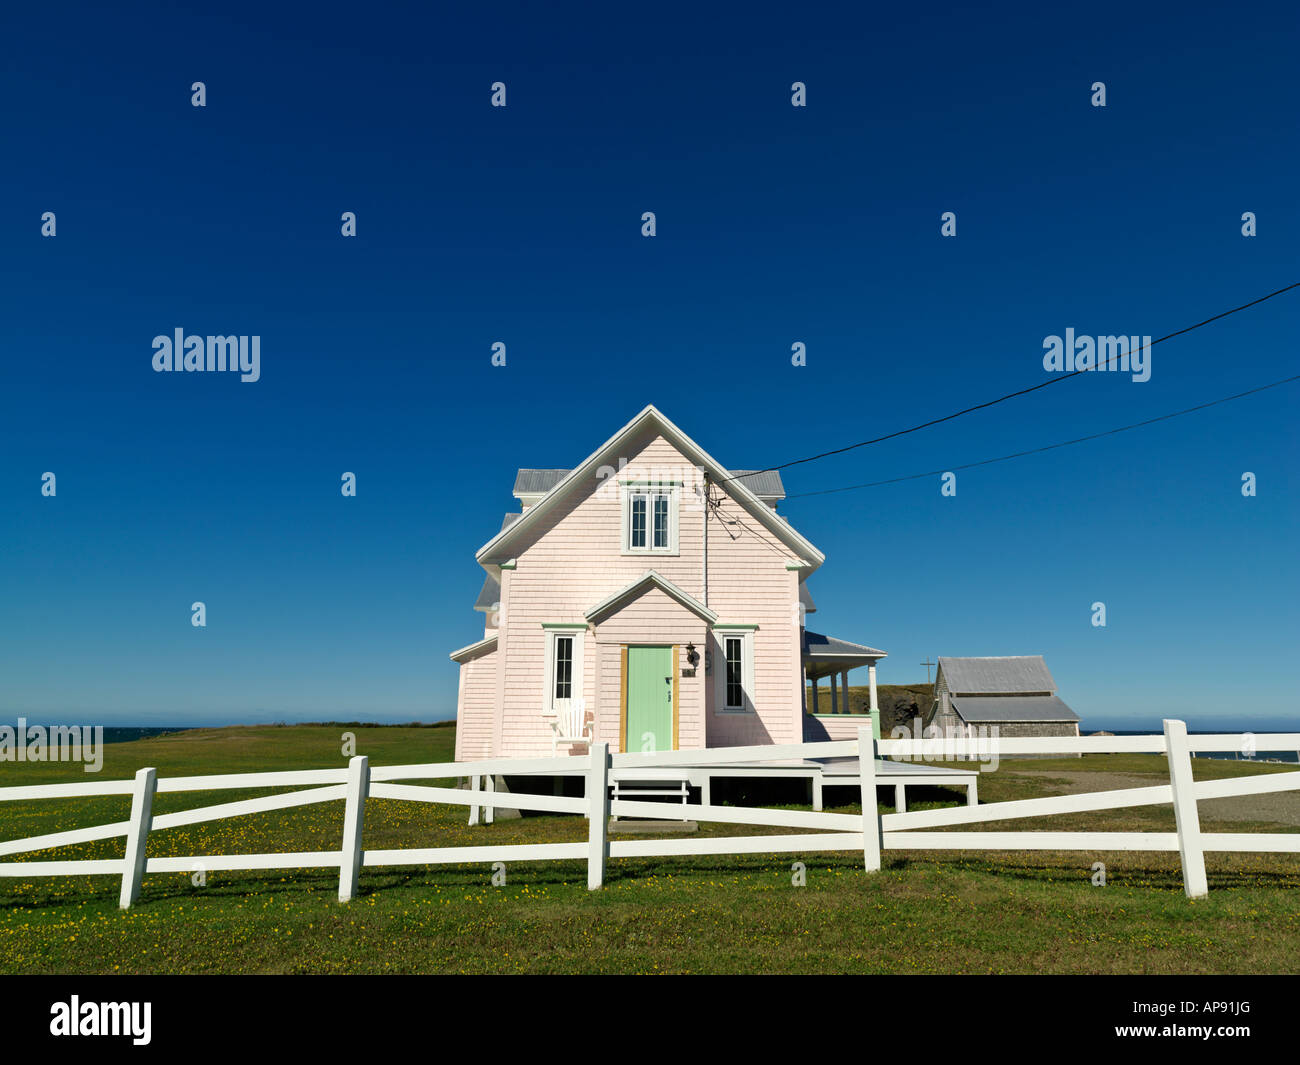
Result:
[927,663]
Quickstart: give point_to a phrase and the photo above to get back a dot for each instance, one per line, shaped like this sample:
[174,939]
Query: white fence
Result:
[868,832]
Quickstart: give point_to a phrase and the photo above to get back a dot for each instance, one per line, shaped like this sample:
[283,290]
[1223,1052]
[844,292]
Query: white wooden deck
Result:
[821,774]
[845,771]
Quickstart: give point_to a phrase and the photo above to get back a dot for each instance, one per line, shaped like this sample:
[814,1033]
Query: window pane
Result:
[638,521]
[661,521]
[563,667]
[735,688]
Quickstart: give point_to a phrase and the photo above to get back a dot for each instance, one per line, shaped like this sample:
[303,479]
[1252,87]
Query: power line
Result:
[1020,392]
[714,505]
[1052,447]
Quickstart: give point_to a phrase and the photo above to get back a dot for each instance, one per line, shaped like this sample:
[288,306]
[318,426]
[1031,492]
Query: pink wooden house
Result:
[649,598]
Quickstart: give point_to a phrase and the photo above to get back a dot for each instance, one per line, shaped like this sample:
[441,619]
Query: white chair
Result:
[570,725]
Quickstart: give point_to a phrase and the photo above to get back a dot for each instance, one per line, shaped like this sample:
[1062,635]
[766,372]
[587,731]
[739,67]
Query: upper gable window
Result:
[650,519]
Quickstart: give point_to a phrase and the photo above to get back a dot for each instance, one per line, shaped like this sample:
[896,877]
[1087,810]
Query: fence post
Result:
[597,814]
[1186,816]
[473,810]
[354,817]
[870,814]
[137,836]
[490,782]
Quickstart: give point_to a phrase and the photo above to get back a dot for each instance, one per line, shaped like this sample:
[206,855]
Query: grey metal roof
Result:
[1019,673]
[490,596]
[1012,708]
[531,482]
[763,483]
[815,645]
[805,597]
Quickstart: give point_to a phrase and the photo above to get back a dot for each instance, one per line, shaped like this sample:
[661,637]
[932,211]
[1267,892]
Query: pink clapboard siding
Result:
[843,726]
[573,561]
[475,707]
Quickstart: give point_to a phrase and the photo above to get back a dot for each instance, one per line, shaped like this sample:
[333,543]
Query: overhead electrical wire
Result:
[1020,392]
[1051,447]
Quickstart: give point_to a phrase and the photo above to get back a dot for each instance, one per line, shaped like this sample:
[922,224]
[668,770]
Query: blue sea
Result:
[118,734]
[1260,755]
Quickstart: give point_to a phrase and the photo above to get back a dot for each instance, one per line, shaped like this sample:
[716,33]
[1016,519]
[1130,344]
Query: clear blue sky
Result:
[522,225]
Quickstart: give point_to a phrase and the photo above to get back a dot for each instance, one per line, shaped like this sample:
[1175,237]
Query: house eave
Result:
[473,650]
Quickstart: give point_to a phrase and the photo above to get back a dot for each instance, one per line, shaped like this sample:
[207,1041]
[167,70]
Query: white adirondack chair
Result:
[570,725]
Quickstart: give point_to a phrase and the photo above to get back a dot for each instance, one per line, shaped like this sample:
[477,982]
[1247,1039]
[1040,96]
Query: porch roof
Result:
[824,655]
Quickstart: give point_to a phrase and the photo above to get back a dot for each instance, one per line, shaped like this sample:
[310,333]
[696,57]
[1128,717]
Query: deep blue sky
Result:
[522,225]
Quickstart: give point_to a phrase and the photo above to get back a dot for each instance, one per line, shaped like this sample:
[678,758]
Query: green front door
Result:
[649,699]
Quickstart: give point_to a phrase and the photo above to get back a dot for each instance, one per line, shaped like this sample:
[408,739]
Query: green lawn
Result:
[926,912]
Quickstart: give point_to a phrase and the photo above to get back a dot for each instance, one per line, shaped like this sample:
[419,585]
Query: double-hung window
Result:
[650,519]
[563,667]
[734,679]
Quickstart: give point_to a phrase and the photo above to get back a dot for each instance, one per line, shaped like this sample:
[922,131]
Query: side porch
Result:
[827,656]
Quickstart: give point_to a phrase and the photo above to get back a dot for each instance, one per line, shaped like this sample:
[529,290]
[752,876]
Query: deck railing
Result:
[868,832]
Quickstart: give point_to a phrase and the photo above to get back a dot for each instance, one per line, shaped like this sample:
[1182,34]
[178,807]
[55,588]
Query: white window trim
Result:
[674,493]
[548,693]
[746,636]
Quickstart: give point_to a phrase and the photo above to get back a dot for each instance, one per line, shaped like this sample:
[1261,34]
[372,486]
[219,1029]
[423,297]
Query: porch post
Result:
[473,810]
[875,706]
[844,684]
[835,698]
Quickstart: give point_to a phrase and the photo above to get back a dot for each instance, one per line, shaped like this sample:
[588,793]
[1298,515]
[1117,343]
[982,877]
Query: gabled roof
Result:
[1018,673]
[500,547]
[974,708]
[650,580]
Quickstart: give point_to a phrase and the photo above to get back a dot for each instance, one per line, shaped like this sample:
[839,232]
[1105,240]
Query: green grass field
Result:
[925,912]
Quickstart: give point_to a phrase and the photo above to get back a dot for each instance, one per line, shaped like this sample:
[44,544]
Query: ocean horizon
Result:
[129,733]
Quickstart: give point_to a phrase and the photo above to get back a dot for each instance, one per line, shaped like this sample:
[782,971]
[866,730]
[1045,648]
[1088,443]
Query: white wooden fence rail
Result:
[868,831]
